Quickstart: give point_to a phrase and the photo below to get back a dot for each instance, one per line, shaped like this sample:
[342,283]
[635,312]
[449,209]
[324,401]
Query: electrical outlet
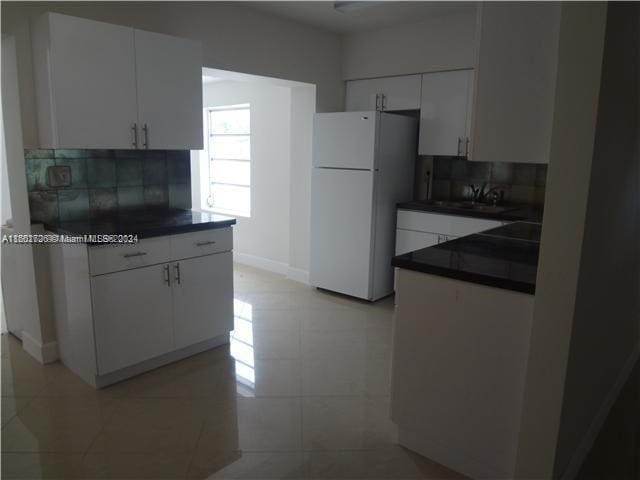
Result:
[59,176]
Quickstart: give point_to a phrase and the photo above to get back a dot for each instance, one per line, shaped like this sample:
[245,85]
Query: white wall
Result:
[234,36]
[585,330]
[439,43]
[265,234]
[18,271]
[605,338]
[302,110]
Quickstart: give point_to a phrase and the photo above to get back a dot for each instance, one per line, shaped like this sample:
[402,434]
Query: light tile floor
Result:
[301,392]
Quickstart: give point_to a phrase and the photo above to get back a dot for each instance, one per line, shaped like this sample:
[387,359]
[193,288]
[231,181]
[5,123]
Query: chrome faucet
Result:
[480,194]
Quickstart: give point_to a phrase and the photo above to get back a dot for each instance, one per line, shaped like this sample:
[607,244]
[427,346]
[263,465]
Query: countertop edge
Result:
[150,232]
[468,277]
[508,216]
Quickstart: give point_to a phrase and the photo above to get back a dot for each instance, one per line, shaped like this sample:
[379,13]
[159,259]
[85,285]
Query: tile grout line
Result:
[306,469]
[93,440]
[195,449]
[15,414]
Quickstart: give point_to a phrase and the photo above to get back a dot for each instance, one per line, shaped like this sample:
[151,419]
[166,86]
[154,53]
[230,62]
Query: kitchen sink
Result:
[491,208]
[480,207]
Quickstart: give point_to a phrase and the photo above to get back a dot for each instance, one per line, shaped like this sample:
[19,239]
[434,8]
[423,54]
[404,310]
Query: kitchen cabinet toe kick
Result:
[100,381]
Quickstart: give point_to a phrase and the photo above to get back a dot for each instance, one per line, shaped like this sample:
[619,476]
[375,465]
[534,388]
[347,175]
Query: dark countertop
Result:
[144,223]
[504,257]
[511,213]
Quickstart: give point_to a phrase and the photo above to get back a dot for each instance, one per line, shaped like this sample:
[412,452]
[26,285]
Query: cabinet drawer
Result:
[423,222]
[195,244]
[410,240]
[445,224]
[461,226]
[113,258]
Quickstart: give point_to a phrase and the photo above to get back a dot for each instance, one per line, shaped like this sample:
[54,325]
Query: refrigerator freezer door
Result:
[341,217]
[345,140]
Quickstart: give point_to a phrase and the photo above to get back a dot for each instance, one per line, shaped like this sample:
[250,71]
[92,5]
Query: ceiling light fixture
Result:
[345,7]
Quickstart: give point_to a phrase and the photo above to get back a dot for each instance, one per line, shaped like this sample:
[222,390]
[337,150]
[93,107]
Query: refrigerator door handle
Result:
[345,168]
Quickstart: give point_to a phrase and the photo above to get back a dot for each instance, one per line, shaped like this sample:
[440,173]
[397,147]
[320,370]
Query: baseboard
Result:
[298,275]
[281,268]
[43,353]
[590,437]
[457,461]
[260,262]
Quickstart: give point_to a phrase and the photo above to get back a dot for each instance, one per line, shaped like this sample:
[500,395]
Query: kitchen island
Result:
[124,308]
[464,311]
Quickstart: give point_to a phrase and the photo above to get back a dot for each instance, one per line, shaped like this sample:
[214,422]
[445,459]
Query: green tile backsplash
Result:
[106,181]
[101,172]
[37,173]
[521,182]
[73,204]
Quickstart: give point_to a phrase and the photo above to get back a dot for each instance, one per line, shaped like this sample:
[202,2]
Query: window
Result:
[229,154]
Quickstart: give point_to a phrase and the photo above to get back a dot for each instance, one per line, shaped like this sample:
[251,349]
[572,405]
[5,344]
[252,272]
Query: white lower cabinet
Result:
[417,229]
[410,240]
[202,298]
[132,317]
[123,309]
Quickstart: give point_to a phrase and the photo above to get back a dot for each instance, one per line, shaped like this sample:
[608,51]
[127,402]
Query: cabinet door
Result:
[400,93]
[444,112]
[132,316]
[169,86]
[361,95]
[410,240]
[515,82]
[85,83]
[202,298]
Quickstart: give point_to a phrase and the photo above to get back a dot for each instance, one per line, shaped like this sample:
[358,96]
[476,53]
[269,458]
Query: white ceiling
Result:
[366,16]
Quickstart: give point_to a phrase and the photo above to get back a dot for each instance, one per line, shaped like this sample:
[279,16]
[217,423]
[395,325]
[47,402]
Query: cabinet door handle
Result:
[459,142]
[177,269]
[145,141]
[202,244]
[136,254]
[383,103]
[466,148]
[167,275]
[377,101]
[134,131]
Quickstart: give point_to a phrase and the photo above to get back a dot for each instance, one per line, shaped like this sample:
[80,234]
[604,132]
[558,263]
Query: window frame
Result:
[208,199]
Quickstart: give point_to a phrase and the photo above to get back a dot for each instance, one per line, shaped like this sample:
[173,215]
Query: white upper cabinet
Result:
[515,82]
[445,113]
[388,93]
[85,83]
[98,85]
[169,84]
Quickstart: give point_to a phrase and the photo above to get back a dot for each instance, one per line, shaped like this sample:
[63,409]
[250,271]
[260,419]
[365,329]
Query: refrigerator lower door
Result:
[341,223]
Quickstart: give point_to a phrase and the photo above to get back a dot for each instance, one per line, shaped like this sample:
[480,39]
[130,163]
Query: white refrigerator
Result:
[363,164]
